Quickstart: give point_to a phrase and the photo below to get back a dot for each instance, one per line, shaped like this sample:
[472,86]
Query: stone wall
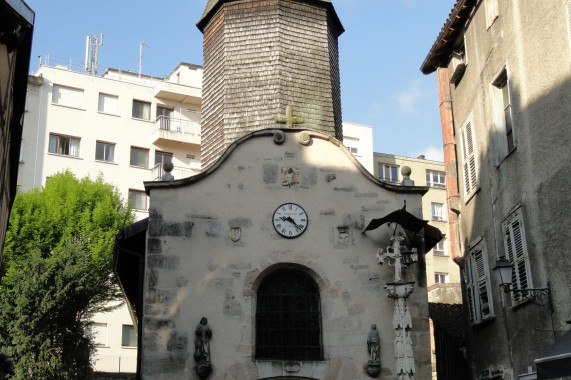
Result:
[196,267]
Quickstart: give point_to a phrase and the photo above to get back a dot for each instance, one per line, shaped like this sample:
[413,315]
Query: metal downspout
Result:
[450,163]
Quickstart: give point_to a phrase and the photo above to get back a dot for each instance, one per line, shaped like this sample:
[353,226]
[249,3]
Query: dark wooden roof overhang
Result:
[213,5]
[452,30]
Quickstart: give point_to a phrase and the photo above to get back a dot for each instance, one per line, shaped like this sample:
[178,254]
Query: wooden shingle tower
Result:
[263,56]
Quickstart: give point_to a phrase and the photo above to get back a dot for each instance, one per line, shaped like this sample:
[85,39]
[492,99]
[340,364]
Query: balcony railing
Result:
[178,171]
[180,130]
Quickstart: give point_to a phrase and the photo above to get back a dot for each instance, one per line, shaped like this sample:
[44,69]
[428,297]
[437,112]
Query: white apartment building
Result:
[122,126]
[358,139]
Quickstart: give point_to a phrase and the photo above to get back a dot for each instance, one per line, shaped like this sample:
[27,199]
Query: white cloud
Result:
[431,153]
[408,98]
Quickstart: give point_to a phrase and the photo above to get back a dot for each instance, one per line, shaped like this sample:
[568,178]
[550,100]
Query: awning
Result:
[555,362]
[432,235]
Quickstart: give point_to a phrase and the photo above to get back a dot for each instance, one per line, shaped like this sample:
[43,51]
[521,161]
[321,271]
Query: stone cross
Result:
[289,120]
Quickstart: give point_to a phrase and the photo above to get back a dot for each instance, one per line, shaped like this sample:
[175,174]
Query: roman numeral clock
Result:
[290,220]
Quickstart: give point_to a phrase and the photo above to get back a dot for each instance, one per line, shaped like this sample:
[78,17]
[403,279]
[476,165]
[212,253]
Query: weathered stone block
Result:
[154,246]
[232,308]
[213,229]
[271,172]
[240,222]
[153,324]
[178,342]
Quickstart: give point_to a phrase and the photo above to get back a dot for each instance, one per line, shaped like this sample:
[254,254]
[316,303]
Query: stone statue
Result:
[202,348]
[374,345]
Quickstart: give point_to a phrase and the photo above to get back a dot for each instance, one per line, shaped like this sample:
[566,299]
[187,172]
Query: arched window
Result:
[288,317]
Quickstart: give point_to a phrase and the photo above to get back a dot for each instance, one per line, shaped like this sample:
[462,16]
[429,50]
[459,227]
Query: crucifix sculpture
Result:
[289,120]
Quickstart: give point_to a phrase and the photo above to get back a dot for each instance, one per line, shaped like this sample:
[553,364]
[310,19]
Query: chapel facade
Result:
[266,264]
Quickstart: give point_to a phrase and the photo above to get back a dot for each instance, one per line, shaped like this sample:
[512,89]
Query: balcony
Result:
[178,172]
[178,93]
[179,130]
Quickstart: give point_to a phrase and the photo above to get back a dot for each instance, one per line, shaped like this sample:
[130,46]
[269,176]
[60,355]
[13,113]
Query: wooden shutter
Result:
[516,252]
[469,159]
[481,273]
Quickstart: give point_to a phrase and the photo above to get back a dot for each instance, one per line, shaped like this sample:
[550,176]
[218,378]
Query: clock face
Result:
[290,220]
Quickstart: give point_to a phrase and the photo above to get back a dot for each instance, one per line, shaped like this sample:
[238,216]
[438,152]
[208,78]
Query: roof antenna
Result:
[141,56]
[92,44]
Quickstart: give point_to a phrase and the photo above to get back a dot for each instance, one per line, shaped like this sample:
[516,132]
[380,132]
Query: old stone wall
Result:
[198,266]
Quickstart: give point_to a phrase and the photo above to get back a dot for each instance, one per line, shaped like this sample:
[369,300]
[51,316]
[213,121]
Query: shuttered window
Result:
[516,253]
[469,163]
[478,287]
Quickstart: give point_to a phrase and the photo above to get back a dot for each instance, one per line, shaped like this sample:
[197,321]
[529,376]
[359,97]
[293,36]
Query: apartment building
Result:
[504,84]
[123,126]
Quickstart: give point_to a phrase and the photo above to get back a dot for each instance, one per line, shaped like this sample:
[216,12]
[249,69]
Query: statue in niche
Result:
[290,176]
[202,348]
[374,347]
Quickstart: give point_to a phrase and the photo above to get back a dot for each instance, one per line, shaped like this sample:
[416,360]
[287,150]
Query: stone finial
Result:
[168,167]
[406,181]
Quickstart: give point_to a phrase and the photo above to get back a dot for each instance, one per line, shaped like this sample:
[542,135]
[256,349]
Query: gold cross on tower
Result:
[289,120]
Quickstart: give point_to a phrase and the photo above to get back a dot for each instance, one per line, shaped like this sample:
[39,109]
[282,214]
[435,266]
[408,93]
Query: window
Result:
[478,287]
[141,110]
[441,278]
[139,157]
[492,12]
[502,116]
[160,159]
[516,253]
[138,199]
[129,336]
[435,179]
[67,96]
[108,104]
[104,151]
[438,211]
[288,317]
[164,117]
[98,333]
[439,249]
[64,145]
[469,162]
[388,172]
[352,144]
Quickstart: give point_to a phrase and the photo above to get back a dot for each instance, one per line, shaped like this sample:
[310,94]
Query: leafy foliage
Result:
[57,265]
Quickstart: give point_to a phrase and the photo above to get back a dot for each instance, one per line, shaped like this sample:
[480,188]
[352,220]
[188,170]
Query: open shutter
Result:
[481,273]
[469,159]
[516,252]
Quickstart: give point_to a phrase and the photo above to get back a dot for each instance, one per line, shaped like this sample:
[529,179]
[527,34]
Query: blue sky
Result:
[384,44]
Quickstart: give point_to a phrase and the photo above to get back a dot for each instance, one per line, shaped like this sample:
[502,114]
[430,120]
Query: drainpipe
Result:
[450,163]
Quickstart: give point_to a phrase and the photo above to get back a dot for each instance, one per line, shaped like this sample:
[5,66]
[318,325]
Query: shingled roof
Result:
[439,54]
[213,5]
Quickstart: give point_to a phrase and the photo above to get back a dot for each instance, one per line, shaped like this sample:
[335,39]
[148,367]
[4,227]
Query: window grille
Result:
[288,318]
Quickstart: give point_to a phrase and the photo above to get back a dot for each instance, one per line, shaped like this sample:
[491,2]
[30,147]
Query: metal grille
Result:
[288,318]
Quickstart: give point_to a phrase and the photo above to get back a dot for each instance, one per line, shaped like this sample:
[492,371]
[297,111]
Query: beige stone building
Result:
[504,83]
[265,265]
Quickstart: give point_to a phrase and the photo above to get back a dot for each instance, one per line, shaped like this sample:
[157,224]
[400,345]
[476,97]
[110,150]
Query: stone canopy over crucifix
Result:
[289,120]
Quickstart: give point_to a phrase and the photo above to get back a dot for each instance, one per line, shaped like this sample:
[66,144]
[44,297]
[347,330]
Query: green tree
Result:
[58,271]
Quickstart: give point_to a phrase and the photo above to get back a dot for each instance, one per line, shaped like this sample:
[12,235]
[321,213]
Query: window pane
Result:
[394,173]
[98,333]
[139,157]
[138,199]
[99,151]
[108,103]
[52,147]
[129,337]
[67,96]
[141,110]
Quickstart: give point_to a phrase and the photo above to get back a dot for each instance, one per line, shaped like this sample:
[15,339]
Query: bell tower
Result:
[264,59]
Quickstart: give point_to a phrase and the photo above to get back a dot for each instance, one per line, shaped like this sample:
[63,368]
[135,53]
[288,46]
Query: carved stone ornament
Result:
[374,348]
[202,349]
[279,138]
[235,234]
[290,176]
[304,138]
[292,367]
